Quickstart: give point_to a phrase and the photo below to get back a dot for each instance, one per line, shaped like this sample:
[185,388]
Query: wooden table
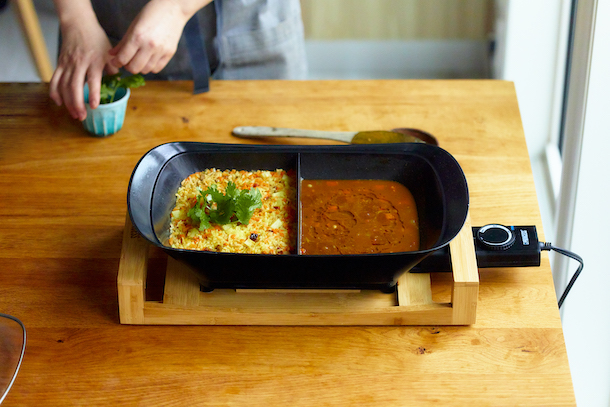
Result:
[62,214]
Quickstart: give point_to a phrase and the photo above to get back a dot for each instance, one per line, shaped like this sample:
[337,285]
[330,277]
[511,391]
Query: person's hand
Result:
[84,55]
[152,38]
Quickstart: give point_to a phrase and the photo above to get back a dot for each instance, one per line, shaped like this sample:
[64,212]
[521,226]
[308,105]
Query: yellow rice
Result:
[271,229]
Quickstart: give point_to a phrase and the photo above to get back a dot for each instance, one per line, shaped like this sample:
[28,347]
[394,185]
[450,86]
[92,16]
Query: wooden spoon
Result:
[400,135]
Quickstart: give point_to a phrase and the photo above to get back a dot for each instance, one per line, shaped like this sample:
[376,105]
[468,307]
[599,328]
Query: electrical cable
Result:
[548,246]
[12,318]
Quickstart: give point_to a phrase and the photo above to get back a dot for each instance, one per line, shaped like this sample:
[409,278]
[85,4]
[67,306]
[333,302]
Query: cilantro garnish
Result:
[233,206]
[111,83]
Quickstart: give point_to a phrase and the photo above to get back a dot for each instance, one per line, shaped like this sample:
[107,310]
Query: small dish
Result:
[108,118]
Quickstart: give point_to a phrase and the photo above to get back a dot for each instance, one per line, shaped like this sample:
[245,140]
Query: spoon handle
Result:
[262,131]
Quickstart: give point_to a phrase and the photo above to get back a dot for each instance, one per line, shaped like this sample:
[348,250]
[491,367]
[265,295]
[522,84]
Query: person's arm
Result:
[152,38]
[83,57]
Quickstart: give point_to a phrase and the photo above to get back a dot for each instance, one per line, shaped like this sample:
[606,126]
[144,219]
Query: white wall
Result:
[531,42]
[586,314]
[413,59]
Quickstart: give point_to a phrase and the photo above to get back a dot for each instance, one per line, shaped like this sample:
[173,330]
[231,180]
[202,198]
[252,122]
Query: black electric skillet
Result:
[431,174]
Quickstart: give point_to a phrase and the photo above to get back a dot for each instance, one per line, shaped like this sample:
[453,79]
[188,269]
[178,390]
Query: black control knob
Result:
[496,237]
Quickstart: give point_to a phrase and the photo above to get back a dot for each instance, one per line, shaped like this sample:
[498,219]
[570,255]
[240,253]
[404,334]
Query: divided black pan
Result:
[431,174]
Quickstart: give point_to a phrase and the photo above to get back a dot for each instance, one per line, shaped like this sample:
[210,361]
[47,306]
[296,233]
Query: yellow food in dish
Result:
[270,230]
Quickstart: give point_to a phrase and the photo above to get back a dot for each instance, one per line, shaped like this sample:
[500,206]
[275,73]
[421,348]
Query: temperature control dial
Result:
[495,246]
[496,237]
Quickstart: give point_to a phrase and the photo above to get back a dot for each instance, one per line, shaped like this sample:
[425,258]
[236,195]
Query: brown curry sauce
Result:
[357,217]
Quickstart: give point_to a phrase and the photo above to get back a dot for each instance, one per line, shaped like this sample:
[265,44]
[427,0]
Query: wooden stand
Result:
[184,304]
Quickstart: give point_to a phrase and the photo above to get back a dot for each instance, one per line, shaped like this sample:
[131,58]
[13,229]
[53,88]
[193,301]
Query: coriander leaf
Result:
[222,209]
[231,190]
[106,94]
[198,215]
[111,83]
[223,212]
[247,203]
[194,214]
[133,81]
[108,88]
[111,80]
[205,223]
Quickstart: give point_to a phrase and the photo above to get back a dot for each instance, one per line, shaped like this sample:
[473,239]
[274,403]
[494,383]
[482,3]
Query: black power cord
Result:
[548,246]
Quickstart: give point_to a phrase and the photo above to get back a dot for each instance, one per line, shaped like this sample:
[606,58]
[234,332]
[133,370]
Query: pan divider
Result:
[184,304]
[298,198]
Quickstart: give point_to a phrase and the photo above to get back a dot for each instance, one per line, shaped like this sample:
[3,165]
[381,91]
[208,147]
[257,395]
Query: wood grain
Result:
[183,302]
[465,288]
[62,212]
[133,266]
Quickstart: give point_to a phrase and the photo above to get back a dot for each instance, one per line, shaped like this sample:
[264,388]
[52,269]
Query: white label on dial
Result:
[525,237]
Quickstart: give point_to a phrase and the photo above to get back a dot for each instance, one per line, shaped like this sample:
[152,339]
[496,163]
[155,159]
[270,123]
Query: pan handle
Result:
[264,131]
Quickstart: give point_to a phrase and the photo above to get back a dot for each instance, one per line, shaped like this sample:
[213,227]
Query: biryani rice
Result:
[271,230]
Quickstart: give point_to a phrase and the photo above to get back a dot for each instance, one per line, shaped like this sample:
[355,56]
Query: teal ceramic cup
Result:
[108,118]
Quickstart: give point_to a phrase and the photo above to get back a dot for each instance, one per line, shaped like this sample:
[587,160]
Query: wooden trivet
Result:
[184,304]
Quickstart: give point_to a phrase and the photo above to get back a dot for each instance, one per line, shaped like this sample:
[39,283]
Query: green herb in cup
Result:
[112,83]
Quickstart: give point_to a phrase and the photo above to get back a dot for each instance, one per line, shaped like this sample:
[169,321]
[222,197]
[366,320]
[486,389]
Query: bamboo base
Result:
[184,304]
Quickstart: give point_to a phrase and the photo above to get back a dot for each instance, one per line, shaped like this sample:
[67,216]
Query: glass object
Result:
[12,349]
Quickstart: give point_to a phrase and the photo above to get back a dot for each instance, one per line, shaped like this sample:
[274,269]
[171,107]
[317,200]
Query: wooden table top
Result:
[62,214]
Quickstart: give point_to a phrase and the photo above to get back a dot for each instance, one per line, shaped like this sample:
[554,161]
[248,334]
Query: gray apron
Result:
[240,39]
